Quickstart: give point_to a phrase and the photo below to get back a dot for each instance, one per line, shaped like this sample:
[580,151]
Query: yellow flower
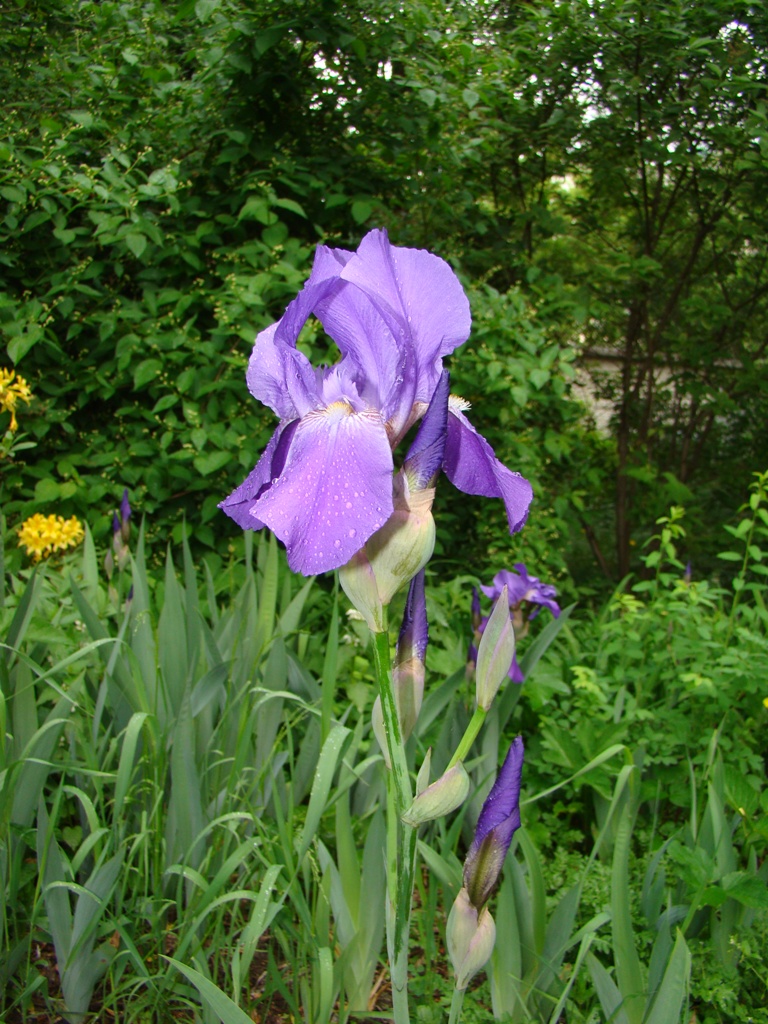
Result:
[42,535]
[765,701]
[11,392]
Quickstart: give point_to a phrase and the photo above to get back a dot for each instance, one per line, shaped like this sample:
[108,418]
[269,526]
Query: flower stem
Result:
[392,722]
[470,734]
[456,1002]
[401,838]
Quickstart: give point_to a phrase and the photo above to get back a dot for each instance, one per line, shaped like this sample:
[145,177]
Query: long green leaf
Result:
[84,965]
[610,998]
[268,565]
[172,640]
[127,756]
[264,910]
[586,941]
[668,1004]
[629,973]
[21,617]
[36,762]
[142,639]
[219,1003]
[606,755]
[326,767]
[330,670]
[537,890]
[506,967]
[324,968]
[56,899]
[185,807]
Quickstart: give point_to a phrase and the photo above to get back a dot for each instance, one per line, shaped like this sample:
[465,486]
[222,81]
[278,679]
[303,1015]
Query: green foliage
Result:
[129,300]
[171,716]
[670,660]
[160,198]
[201,738]
[518,378]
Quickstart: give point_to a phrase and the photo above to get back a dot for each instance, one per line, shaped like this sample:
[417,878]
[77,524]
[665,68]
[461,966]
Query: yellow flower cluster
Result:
[42,535]
[12,391]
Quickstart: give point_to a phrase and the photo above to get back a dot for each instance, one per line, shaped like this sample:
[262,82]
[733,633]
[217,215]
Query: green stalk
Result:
[401,838]
[456,1001]
[469,737]
[392,722]
[399,964]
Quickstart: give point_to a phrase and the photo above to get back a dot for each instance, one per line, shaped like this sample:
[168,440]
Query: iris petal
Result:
[367,343]
[334,491]
[278,374]
[470,465]
[419,296]
[240,502]
[521,586]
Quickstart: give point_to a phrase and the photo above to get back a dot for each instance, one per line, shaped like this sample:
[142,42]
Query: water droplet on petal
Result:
[337,543]
[353,533]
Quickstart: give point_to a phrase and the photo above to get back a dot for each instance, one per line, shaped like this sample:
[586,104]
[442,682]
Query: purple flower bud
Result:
[414,632]
[408,668]
[499,820]
[118,544]
[125,507]
[477,614]
[125,517]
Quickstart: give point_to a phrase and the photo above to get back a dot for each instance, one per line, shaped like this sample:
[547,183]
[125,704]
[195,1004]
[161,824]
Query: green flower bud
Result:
[422,779]
[449,792]
[393,555]
[470,937]
[494,653]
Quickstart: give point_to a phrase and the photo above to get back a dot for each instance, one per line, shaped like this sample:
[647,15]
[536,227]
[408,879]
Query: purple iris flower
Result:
[521,586]
[499,820]
[324,483]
